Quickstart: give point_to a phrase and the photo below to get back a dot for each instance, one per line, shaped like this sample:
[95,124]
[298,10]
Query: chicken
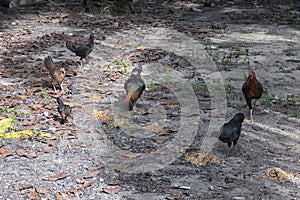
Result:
[84,50]
[134,87]
[252,89]
[57,74]
[8,3]
[63,110]
[230,131]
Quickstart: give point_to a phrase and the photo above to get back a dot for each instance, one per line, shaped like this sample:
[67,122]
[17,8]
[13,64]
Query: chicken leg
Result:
[251,115]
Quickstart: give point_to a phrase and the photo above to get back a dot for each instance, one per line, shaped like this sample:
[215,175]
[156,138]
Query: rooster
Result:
[57,74]
[63,109]
[134,87]
[230,131]
[84,50]
[252,89]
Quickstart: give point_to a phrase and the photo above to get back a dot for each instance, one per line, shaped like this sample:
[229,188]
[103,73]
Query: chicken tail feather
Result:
[130,93]
[60,101]
[49,63]
[71,46]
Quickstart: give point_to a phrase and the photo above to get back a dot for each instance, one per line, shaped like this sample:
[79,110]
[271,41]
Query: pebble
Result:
[238,198]
[52,129]
[274,101]
[179,186]
[166,59]
[46,114]
[63,181]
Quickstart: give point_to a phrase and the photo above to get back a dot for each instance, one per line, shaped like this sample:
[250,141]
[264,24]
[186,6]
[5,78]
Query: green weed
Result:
[121,65]
[268,98]
[168,76]
[152,85]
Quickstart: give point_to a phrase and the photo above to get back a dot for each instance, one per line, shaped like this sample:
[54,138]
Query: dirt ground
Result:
[195,58]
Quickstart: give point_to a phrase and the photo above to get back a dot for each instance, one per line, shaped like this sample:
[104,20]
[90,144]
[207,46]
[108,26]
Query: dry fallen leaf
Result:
[6,152]
[42,190]
[279,174]
[111,190]
[114,182]
[53,143]
[26,153]
[154,152]
[47,150]
[215,115]
[208,108]
[25,186]
[92,174]
[34,112]
[289,159]
[171,106]
[200,159]
[50,106]
[34,195]
[158,141]
[21,96]
[53,122]
[95,97]
[106,117]
[57,177]
[24,137]
[132,155]
[75,192]
[118,167]
[32,90]
[54,95]
[93,168]
[193,113]
[164,132]
[36,106]
[63,196]
[85,185]
[141,47]
[80,190]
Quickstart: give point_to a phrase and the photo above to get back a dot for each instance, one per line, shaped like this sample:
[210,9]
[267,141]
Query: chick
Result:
[63,109]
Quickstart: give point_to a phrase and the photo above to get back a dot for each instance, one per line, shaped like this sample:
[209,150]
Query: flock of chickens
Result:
[58,73]
[230,131]
[134,86]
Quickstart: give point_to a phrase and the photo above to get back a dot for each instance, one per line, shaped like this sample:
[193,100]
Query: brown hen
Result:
[134,87]
[57,74]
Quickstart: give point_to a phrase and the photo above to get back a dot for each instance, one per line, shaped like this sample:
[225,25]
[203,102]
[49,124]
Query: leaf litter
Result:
[29,66]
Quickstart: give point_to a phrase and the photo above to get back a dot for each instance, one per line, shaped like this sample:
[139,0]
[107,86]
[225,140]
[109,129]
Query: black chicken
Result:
[134,87]
[63,109]
[252,89]
[8,3]
[84,50]
[230,131]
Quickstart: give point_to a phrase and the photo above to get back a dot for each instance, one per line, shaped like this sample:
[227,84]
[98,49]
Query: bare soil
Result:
[195,58]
